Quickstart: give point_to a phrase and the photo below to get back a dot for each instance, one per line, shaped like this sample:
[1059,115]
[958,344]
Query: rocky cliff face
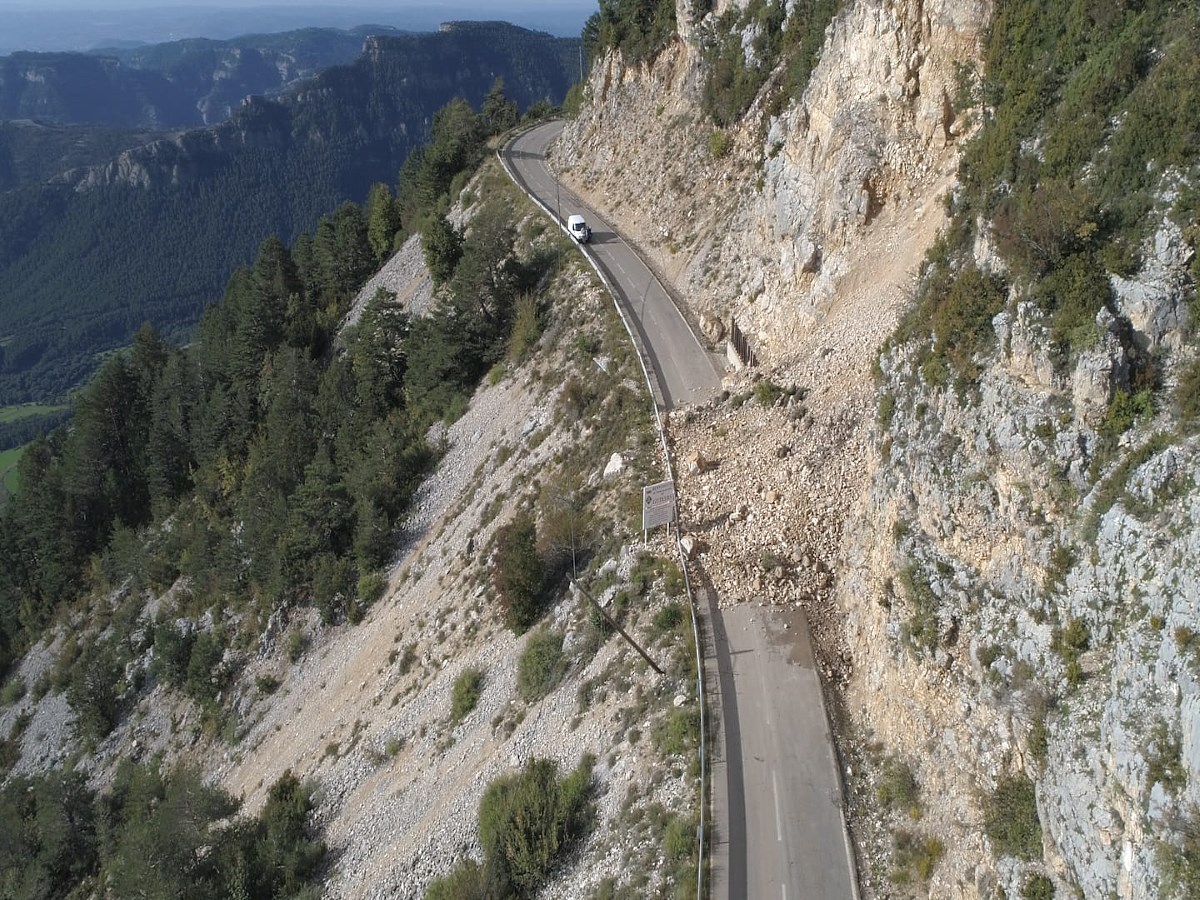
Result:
[1015,593]
[766,232]
[1021,599]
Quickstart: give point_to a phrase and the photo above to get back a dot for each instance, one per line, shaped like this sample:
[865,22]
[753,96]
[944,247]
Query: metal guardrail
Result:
[741,344]
[657,396]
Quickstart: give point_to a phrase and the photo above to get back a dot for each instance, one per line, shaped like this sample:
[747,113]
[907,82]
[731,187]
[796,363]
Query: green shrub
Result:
[1124,412]
[530,820]
[668,618]
[897,790]
[679,733]
[1011,820]
[638,28]
[1037,887]
[526,327]
[296,644]
[1062,560]
[573,102]
[679,838]
[914,857]
[468,881]
[1187,395]
[1070,644]
[541,666]
[1178,858]
[1164,759]
[266,684]
[13,691]
[408,658]
[962,319]
[518,573]
[887,409]
[93,690]
[674,584]
[370,588]
[790,42]
[205,679]
[718,143]
[1039,739]
[1071,159]
[155,834]
[172,650]
[921,630]
[465,693]
[767,392]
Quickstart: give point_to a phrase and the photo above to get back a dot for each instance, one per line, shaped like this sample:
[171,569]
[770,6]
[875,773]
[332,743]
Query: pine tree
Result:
[383,221]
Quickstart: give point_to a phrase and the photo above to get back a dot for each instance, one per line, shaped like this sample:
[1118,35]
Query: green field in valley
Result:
[8,470]
[25,411]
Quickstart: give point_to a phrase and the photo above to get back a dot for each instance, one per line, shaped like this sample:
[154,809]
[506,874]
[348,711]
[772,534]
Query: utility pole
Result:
[617,628]
[557,199]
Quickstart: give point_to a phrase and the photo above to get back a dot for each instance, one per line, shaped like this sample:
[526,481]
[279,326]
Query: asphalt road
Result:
[786,834]
[684,369]
[779,828]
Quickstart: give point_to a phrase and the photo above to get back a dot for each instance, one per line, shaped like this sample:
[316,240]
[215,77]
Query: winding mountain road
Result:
[779,827]
[684,370]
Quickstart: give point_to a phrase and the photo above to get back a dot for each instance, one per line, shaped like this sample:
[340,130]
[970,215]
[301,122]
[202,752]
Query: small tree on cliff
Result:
[519,573]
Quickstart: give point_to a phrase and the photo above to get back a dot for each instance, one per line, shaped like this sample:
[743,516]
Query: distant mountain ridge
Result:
[174,85]
[153,233]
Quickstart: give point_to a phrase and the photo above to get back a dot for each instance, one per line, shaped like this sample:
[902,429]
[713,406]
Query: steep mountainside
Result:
[152,234]
[993,521]
[397,698]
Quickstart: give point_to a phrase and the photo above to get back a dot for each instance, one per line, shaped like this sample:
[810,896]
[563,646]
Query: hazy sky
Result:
[84,24]
[500,9]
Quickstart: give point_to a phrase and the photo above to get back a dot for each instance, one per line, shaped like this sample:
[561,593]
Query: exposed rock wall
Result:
[766,232]
[992,502]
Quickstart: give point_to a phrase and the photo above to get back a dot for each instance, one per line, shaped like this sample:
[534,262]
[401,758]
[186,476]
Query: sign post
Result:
[658,506]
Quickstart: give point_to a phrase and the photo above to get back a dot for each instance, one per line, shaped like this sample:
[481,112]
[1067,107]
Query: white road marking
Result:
[778,818]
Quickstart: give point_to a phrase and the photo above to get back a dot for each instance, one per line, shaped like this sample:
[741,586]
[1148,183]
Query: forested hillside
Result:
[283,462]
[152,235]
[32,152]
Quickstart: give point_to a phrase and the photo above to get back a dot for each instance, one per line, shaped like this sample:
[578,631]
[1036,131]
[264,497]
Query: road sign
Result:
[658,504]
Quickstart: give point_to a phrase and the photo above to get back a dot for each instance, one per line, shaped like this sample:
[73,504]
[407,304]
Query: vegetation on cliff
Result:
[1089,126]
[154,834]
[638,28]
[767,40]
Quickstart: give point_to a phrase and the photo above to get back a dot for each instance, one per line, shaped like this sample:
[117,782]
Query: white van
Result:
[579,229]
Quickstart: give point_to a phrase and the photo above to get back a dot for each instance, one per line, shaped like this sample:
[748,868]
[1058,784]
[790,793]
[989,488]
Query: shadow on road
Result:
[738,881]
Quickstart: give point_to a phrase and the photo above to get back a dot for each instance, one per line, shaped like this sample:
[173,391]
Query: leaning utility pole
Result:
[609,619]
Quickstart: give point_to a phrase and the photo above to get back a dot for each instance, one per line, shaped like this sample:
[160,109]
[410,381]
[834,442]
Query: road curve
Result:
[684,369]
[780,829]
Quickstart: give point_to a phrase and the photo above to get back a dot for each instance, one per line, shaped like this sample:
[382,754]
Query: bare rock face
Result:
[871,134]
[1151,300]
[1026,341]
[1099,372]
[712,328]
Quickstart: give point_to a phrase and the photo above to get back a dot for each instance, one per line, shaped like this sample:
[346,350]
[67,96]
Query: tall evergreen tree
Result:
[383,221]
